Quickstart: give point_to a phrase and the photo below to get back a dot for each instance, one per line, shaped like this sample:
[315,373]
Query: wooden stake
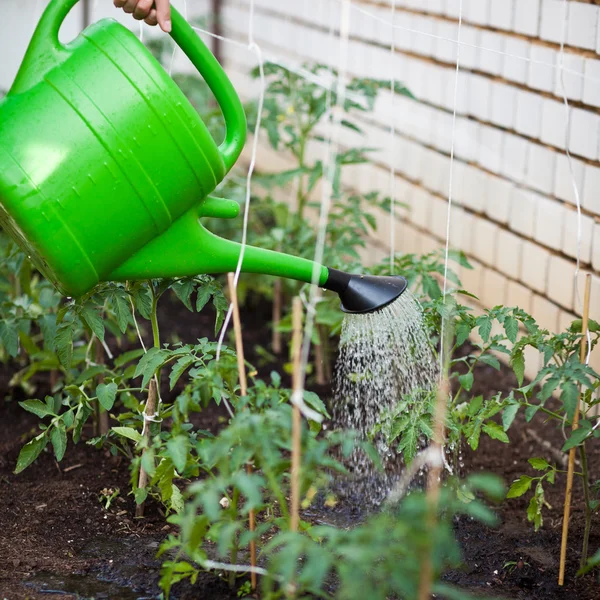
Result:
[150,410]
[434,480]
[296,417]
[572,452]
[239,349]
[276,317]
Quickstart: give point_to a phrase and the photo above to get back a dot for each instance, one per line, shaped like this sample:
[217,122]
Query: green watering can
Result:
[105,167]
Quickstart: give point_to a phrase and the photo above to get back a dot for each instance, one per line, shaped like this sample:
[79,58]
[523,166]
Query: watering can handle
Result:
[45,52]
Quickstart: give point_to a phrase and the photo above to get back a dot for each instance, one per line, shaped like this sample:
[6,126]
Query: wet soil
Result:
[57,539]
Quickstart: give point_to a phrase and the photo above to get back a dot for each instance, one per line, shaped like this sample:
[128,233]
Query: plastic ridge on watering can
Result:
[106,168]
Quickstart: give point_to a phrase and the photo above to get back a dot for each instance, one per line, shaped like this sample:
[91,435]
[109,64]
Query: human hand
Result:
[143,10]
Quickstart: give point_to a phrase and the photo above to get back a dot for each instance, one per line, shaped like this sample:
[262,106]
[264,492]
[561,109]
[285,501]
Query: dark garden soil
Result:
[56,537]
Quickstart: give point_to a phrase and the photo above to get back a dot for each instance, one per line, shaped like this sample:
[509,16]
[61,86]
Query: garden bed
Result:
[58,537]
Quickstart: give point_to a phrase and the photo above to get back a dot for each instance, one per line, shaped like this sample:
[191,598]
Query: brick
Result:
[501,14]
[472,279]
[596,247]
[554,123]
[541,76]
[509,253]
[461,229]
[491,60]
[540,168]
[516,69]
[410,241]
[591,82]
[466,143]
[526,17]
[549,223]
[523,207]
[594,295]
[533,362]
[514,157]
[545,313]
[560,281]
[490,149]
[476,11]
[571,236]
[534,267]
[421,209]
[480,97]
[439,218]
[563,179]
[469,53]
[518,295]
[572,77]
[564,320]
[423,44]
[474,188]
[529,114]
[458,175]
[578,304]
[445,50]
[552,20]
[498,199]
[503,105]
[585,128]
[493,290]
[582,25]
[591,189]
[429,244]
[485,240]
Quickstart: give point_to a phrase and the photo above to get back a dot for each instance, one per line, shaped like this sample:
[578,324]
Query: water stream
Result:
[383,356]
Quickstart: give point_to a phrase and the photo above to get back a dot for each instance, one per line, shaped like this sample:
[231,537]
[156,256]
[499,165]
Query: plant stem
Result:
[150,410]
[103,420]
[154,319]
[276,316]
[234,546]
[296,417]
[588,509]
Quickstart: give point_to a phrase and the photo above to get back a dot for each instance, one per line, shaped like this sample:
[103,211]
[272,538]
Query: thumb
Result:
[163,14]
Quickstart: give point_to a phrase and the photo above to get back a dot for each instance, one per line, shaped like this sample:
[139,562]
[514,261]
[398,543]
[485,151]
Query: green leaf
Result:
[149,364]
[202,297]
[569,396]
[30,451]
[129,433]
[508,415]
[177,503]
[90,315]
[64,344]
[178,368]
[539,464]
[517,362]
[9,335]
[177,450]
[122,309]
[106,395]
[37,407]
[485,327]
[466,381]
[530,412]
[577,437]
[519,487]
[140,495]
[491,360]
[183,290]
[58,437]
[463,331]
[511,327]
[495,431]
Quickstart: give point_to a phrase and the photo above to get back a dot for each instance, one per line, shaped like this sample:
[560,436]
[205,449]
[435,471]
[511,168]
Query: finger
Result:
[142,10]
[129,6]
[163,14]
[119,3]
[151,18]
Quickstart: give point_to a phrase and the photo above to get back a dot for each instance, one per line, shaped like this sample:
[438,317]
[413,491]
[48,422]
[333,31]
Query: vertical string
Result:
[393,142]
[561,73]
[253,47]
[330,168]
[450,180]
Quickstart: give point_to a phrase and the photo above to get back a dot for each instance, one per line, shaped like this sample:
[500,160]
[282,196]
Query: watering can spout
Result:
[187,248]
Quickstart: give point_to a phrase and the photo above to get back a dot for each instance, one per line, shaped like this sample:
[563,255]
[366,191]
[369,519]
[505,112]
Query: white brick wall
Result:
[514,208]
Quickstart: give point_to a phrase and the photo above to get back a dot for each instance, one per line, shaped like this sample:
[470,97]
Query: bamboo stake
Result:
[296,417]
[572,452]
[276,317]
[149,411]
[239,348]
[434,479]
